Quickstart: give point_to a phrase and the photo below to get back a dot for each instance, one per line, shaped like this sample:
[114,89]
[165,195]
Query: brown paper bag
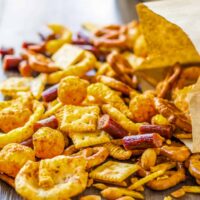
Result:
[194,105]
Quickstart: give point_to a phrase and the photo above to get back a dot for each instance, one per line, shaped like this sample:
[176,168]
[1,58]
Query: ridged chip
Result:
[79,119]
[118,152]
[81,140]
[106,95]
[113,171]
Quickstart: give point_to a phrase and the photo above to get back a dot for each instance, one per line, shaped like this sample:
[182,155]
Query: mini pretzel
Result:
[111,36]
[173,114]
[94,156]
[41,63]
[122,68]
[164,86]
[99,155]
[188,76]
[169,179]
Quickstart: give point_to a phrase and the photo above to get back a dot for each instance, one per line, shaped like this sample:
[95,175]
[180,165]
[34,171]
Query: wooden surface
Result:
[20,20]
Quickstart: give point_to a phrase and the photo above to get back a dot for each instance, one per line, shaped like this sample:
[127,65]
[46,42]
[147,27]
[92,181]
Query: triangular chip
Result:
[167,43]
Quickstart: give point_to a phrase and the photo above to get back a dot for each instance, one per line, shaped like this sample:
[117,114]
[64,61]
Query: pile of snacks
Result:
[78,118]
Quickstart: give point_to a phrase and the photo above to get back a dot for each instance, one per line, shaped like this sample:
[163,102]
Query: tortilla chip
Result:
[167,43]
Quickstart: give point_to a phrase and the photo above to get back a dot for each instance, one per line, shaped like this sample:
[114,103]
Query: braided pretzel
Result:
[164,86]
[40,63]
[111,36]
[122,68]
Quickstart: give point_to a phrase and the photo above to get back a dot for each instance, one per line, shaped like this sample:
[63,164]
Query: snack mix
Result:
[78,117]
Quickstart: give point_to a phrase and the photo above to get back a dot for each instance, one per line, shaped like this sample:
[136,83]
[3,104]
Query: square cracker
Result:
[81,140]
[113,171]
[79,119]
[67,55]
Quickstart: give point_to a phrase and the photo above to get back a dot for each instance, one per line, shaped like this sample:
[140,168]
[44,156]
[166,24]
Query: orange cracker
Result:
[79,119]
[113,171]
[81,140]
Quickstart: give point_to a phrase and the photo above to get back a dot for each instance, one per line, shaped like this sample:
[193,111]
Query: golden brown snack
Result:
[159,120]
[121,119]
[13,156]
[106,95]
[114,84]
[98,156]
[111,36]
[173,114]
[194,165]
[174,153]
[15,113]
[38,85]
[40,63]
[65,36]
[68,55]
[81,140]
[13,85]
[140,47]
[25,132]
[180,99]
[13,117]
[94,156]
[113,171]
[7,179]
[61,177]
[163,88]
[163,166]
[142,108]
[148,158]
[125,198]
[140,188]
[72,90]
[168,180]
[78,69]
[188,76]
[48,142]
[90,197]
[178,193]
[122,68]
[118,152]
[112,193]
[79,119]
